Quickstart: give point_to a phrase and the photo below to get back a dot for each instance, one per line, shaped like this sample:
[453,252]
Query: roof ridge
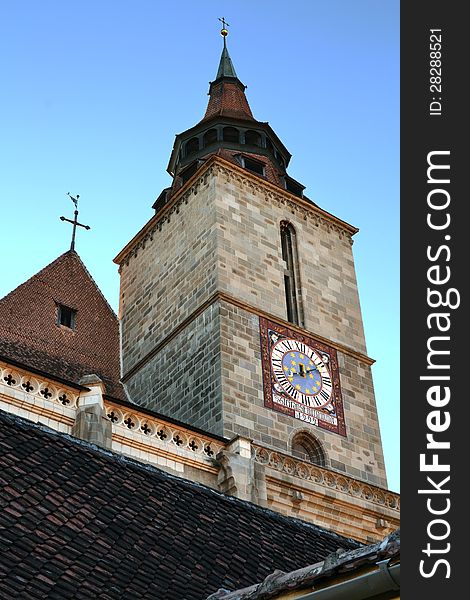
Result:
[94,283]
[37,274]
[49,266]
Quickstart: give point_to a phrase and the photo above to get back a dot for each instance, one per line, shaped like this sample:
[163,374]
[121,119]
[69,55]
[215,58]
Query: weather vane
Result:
[224,30]
[75,220]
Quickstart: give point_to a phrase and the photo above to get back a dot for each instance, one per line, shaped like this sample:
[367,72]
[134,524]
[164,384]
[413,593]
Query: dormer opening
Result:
[294,187]
[255,166]
[66,316]
[189,171]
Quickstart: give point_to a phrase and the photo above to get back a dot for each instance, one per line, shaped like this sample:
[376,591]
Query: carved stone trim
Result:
[157,222]
[224,297]
[33,385]
[296,206]
[302,208]
[174,438]
[326,478]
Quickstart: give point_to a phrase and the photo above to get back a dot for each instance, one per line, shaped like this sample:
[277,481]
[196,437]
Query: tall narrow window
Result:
[291,274]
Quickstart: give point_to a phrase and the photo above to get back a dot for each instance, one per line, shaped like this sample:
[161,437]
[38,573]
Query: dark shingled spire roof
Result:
[226,68]
[85,523]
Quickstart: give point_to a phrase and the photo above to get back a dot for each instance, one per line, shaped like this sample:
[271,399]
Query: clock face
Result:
[301,372]
[301,377]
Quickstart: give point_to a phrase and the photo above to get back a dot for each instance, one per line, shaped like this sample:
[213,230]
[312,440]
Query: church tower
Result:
[239,306]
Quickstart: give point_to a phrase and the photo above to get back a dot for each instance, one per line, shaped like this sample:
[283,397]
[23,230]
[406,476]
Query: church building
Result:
[223,426]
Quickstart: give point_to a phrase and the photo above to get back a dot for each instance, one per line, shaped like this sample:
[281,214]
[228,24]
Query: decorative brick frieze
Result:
[147,429]
[20,381]
[327,478]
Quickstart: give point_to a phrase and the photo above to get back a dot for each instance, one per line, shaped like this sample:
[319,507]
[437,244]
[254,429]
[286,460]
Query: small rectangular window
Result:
[294,187]
[253,165]
[66,316]
[188,172]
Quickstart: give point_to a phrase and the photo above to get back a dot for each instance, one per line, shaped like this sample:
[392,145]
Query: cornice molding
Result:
[224,297]
[261,313]
[272,193]
[332,480]
[215,164]
[46,388]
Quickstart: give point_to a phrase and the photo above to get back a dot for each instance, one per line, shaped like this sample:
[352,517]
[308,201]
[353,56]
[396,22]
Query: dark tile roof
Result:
[30,335]
[78,522]
[333,568]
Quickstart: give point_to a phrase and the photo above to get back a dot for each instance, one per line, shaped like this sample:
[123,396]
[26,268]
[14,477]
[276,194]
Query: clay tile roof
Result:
[81,522]
[31,337]
[338,564]
[227,99]
[227,93]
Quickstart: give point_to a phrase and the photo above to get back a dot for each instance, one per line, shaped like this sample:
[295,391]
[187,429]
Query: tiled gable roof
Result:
[80,522]
[30,335]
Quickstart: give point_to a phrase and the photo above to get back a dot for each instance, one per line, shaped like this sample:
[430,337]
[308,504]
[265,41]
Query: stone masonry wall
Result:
[251,267]
[172,275]
[182,380]
[225,236]
[358,455]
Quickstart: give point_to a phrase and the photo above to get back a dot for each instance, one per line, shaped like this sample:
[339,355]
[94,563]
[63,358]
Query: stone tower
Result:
[239,307]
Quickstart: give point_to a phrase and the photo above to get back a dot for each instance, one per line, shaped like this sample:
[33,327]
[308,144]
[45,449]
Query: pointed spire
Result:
[226,68]
[227,92]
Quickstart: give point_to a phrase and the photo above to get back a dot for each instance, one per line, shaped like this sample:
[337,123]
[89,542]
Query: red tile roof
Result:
[227,99]
[31,336]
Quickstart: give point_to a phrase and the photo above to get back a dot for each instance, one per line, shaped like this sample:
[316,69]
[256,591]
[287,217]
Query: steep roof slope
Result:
[30,333]
[80,522]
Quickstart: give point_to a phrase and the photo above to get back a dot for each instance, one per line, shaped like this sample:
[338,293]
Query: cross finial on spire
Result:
[224,30]
[75,220]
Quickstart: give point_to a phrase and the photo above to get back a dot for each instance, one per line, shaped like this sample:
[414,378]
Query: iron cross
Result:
[224,23]
[75,220]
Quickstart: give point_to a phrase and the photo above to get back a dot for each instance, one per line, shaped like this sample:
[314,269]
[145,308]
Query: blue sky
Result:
[95,91]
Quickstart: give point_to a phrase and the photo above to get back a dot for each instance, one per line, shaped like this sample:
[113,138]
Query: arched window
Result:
[210,137]
[192,146]
[231,134]
[252,138]
[307,447]
[291,274]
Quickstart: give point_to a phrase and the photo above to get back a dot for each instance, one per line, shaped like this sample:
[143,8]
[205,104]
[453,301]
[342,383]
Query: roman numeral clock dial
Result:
[301,377]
